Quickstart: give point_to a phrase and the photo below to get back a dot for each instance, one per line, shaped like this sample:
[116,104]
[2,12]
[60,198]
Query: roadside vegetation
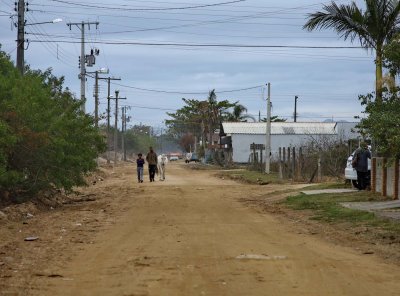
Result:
[251,177]
[46,141]
[327,208]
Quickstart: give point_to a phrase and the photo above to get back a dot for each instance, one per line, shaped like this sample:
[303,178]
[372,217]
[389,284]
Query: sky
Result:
[157,48]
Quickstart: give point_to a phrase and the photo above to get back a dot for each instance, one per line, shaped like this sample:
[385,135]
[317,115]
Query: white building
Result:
[283,134]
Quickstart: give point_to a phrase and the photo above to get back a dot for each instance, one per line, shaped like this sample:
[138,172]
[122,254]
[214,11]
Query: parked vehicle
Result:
[191,157]
[173,158]
[350,173]
[194,157]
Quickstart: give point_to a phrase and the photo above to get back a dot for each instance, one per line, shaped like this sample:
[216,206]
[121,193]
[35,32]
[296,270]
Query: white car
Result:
[350,173]
[173,158]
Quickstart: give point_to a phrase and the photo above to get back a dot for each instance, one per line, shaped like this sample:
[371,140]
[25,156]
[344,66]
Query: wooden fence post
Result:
[319,168]
[254,153]
[293,163]
[396,179]
[280,163]
[288,163]
[373,174]
[284,162]
[384,177]
[300,164]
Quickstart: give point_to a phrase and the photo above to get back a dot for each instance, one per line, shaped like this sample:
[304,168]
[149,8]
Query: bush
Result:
[46,141]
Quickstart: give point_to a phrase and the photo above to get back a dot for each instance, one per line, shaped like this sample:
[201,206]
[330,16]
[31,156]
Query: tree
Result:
[139,138]
[391,55]
[274,119]
[373,27]
[239,114]
[46,141]
[382,123]
[198,117]
[187,142]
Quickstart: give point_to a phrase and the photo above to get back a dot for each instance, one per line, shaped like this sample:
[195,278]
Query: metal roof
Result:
[280,128]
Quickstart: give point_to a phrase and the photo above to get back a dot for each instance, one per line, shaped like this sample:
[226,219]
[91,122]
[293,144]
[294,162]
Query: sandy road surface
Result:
[183,236]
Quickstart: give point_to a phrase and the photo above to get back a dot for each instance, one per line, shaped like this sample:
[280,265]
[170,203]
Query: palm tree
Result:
[373,27]
[239,114]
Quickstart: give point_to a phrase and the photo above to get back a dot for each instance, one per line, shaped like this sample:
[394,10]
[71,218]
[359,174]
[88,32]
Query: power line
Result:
[187,93]
[124,7]
[213,45]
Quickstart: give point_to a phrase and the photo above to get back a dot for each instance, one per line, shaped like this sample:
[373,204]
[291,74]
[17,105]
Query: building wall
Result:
[385,178]
[241,144]
[347,130]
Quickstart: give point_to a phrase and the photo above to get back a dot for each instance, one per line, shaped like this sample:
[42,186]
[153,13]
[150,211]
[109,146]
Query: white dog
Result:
[162,161]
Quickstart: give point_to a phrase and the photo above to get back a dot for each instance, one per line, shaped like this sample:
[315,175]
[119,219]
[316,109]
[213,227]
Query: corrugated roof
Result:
[280,128]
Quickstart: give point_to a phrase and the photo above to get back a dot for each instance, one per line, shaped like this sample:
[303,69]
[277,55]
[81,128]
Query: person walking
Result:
[151,159]
[139,169]
[360,163]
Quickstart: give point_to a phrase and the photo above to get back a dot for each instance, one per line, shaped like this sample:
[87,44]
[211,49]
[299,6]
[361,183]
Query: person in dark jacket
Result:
[152,161]
[361,157]
[140,164]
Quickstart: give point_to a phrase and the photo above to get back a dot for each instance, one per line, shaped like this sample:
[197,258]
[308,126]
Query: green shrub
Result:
[45,139]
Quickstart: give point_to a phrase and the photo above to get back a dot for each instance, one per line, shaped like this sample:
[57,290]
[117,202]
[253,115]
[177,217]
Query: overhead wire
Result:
[215,45]
[125,8]
[48,44]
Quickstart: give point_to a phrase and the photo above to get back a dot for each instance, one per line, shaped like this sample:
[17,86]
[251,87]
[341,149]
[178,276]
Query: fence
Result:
[312,163]
[294,165]
[385,176]
[307,163]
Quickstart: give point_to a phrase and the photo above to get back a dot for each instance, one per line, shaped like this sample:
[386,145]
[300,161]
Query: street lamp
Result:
[57,20]
[21,36]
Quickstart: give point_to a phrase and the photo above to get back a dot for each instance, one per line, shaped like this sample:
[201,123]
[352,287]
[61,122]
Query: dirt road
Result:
[190,235]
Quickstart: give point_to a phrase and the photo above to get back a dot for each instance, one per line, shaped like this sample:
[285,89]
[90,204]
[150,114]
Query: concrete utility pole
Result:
[96,99]
[123,117]
[96,92]
[21,7]
[108,113]
[268,132]
[116,125]
[82,75]
[21,36]
[295,108]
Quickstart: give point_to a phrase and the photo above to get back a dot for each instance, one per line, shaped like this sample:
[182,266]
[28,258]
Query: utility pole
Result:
[82,75]
[21,36]
[123,117]
[295,108]
[96,99]
[268,132]
[108,113]
[126,119]
[116,125]
[96,92]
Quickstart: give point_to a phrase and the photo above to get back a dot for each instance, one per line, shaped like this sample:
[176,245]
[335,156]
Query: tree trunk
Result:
[379,75]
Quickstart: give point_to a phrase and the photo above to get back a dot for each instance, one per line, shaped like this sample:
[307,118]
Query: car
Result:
[191,157]
[194,157]
[173,158]
[350,173]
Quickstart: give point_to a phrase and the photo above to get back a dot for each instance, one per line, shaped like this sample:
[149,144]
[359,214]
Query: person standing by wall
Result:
[360,163]
[140,164]
[151,159]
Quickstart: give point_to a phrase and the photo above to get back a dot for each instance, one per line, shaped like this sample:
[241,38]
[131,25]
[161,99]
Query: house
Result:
[240,135]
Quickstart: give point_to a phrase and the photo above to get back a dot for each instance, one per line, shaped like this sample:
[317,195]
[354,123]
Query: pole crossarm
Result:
[83,23]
